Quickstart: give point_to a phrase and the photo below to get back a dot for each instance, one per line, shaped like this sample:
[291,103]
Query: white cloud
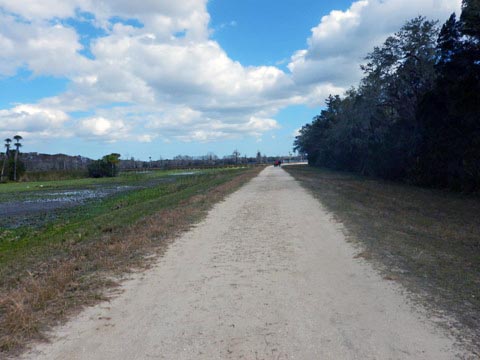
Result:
[44,48]
[342,39]
[164,17]
[109,130]
[45,9]
[31,116]
[33,120]
[101,126]
[187,124]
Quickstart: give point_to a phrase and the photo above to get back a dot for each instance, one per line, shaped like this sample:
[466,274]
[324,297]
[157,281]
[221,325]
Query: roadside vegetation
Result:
[428,240]
[51,270]
[414,116]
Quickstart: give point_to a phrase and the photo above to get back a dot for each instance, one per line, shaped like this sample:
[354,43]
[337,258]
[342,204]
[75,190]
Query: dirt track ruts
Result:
[268,275]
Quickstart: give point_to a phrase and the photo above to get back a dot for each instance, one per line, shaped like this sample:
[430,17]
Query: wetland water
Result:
[36,207]
[39,206]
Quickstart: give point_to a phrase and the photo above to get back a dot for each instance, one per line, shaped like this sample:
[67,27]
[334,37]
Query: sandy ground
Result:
[268,275]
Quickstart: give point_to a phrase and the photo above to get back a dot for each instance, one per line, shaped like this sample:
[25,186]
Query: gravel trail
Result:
[267,275]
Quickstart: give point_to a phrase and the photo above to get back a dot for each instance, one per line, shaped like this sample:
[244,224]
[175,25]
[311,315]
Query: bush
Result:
[105,167]
[101,168]
[10,169]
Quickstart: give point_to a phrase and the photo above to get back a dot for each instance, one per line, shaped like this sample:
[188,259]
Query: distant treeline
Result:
[206,161]
[45,164]
[415,116]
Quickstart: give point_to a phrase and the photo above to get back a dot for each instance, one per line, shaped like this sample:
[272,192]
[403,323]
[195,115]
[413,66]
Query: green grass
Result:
[429,240]
[111,213]
[127,178]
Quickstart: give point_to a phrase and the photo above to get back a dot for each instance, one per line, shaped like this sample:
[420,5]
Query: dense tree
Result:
[398,74]
[450,112]
[470,18]
[105,167]
[113,160]
[414,116]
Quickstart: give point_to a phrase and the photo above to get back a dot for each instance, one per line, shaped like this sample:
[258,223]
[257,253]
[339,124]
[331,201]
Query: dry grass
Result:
[54,175]
[76,272]
[428,240]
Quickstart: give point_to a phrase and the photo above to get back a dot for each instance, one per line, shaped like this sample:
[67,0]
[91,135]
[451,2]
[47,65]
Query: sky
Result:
[160,78]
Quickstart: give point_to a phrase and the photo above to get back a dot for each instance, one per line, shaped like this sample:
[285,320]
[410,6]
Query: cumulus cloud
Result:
[44,48]
[185,124]
[343,38]
[164,17]
[102,128]
[32,119]
[45,9]
[162,76]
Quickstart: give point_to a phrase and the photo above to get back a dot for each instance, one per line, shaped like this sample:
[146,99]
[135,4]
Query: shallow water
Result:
[40,207]
[186,173]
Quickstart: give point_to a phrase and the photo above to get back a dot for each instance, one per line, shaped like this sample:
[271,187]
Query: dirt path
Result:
[268,275]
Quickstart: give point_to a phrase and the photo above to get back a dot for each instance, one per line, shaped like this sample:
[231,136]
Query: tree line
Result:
[415,116]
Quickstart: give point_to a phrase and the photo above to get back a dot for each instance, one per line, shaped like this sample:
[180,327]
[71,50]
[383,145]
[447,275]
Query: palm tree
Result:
[17,151]
[7,154]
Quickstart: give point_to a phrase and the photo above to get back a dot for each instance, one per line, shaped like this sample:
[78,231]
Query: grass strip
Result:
[50,273]
[428,240]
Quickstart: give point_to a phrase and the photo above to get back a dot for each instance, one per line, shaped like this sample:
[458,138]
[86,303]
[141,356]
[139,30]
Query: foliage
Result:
[105,167]
[9,171]
[414,116]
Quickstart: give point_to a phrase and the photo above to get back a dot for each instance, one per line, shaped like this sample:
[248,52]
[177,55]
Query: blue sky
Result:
[160,78]
[266,32]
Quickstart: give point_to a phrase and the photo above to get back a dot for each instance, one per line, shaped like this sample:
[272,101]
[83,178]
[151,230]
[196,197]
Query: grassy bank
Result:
[49,272]
[428,240]
[53,175]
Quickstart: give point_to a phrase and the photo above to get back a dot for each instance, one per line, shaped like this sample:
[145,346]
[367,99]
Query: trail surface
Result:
[268,275]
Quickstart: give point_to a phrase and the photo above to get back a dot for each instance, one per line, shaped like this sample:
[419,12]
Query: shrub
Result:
[105,167]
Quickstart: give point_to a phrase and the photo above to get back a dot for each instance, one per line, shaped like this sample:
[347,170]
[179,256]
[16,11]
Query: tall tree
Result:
[450,154]
[7,155]
[470,18]
[113,160]
[399,74]
[449,43]
[403,68]
[18,145]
